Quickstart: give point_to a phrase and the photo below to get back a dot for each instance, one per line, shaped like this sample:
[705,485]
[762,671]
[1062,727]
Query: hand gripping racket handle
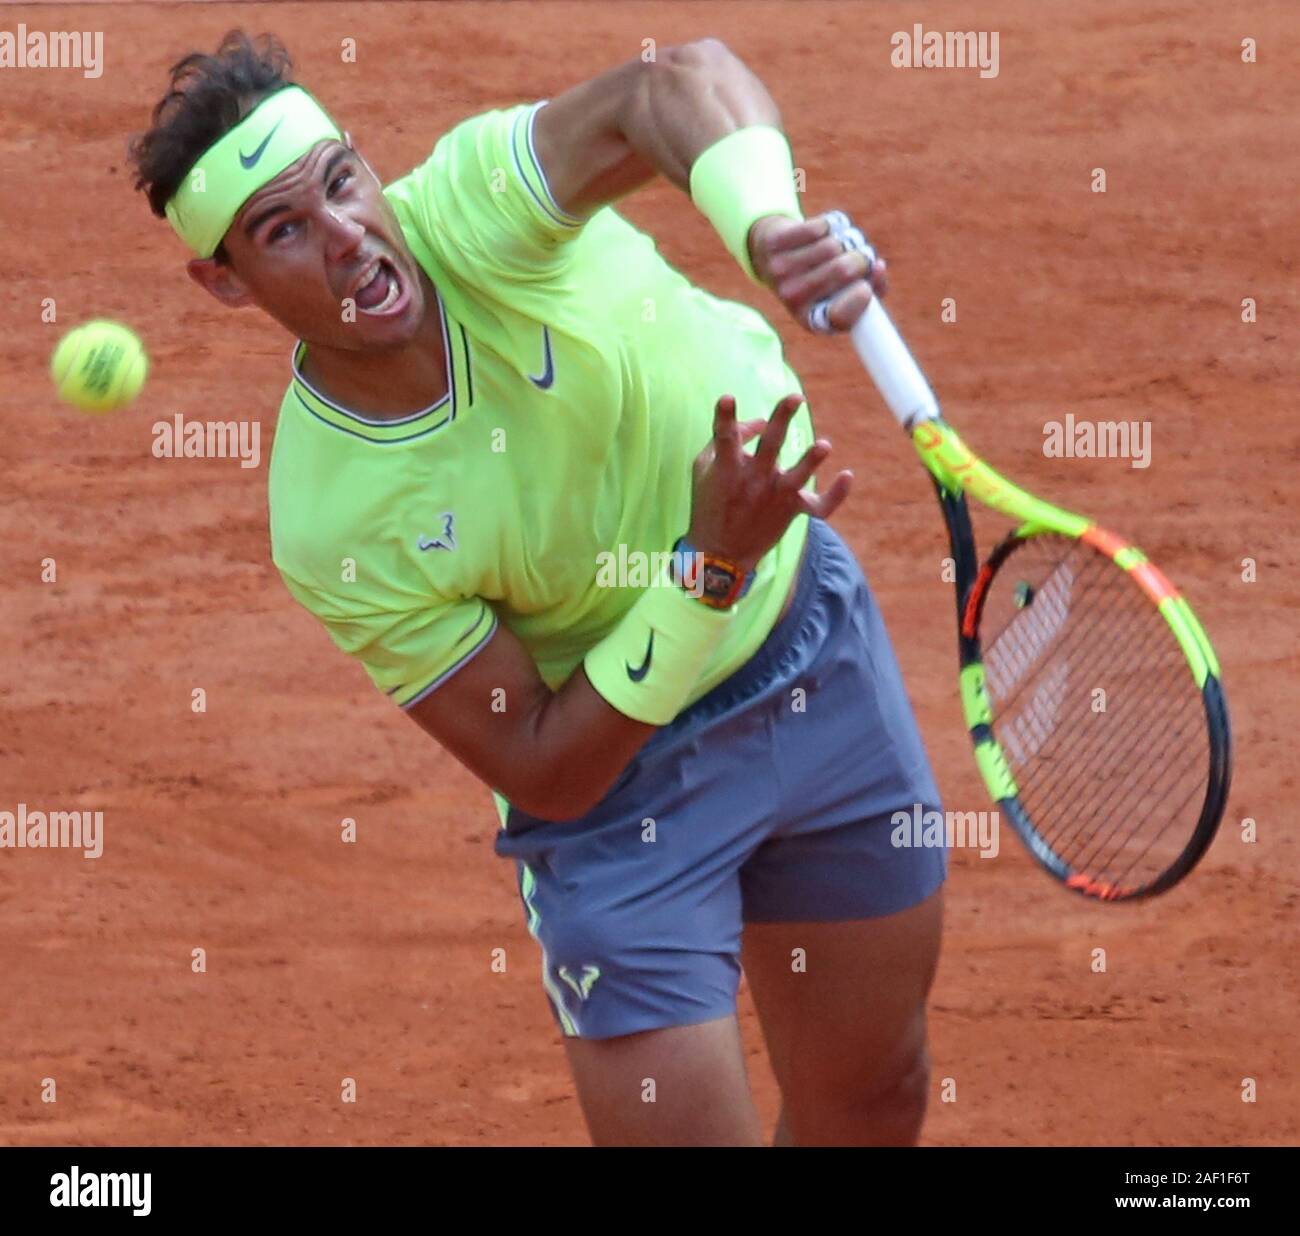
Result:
[896,374]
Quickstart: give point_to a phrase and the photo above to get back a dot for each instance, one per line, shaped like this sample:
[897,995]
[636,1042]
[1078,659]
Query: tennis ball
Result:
[99,366]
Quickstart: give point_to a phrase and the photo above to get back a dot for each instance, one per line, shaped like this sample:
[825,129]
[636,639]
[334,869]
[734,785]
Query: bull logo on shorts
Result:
[581,987]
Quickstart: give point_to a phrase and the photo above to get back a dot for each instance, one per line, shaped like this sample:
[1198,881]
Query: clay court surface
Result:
[374,960]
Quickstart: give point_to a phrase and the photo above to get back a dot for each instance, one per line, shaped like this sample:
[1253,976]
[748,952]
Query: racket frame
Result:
[957,471]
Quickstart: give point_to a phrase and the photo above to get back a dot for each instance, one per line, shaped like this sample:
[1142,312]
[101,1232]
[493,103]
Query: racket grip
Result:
[892,367]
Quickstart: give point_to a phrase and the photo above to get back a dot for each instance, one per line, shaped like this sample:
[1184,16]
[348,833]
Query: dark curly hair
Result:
[208,96]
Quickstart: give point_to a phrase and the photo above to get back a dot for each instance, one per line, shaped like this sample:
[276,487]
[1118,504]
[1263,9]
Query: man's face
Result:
[319,249]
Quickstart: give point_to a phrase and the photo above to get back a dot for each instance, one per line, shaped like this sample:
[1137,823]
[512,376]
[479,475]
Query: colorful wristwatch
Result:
[710,578]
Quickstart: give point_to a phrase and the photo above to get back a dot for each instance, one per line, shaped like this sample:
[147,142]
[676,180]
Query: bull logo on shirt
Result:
[448,538]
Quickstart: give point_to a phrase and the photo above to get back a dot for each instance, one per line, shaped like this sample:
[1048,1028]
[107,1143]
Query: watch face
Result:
[718,581]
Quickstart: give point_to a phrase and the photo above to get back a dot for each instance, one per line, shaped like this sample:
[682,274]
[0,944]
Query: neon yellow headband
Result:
[277,132]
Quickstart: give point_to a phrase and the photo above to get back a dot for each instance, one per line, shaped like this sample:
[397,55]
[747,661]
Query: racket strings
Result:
[1123,877]
[1124,739]
[1081,631]
[1098,629]
[1096,850]
[1115,819]
[997,654]
[1089,753]
[1104,778]
[1109,786]
[1054,815]
[1121,863]
[1182,775]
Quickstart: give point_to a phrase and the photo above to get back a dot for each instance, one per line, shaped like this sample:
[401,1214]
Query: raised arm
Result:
[610,135]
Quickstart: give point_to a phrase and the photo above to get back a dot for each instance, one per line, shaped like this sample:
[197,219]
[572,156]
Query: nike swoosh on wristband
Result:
[247,161]
[644,668]
[548,373]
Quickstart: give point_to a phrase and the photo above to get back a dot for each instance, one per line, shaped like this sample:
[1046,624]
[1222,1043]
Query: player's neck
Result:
[385,384]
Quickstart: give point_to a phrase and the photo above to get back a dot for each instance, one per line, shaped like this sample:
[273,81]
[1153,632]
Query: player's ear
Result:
[220,280]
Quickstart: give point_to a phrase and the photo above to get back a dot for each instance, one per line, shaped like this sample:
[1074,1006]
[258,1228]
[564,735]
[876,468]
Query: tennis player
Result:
[559,502]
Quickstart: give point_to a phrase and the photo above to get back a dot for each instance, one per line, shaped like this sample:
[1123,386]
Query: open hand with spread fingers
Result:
[823,269]
[743,503]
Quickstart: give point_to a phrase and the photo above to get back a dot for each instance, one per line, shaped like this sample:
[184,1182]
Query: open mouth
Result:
[381,292]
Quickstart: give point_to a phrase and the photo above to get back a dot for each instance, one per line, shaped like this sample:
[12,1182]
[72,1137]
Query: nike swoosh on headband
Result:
[247,161]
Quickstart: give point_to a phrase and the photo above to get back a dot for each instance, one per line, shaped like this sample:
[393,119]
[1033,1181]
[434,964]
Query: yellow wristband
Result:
[741,178]
[647,666]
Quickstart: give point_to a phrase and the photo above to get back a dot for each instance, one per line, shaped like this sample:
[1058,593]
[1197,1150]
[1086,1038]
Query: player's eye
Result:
[280,231]
[341,178]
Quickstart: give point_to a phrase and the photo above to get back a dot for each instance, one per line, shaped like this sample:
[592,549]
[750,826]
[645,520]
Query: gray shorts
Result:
[768,800]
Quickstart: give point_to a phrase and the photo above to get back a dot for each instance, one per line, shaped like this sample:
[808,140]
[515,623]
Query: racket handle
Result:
[896,374]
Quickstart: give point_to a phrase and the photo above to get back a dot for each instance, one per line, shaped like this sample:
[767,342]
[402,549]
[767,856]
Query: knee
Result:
[909,1084]
[900,1093]
[885,1109]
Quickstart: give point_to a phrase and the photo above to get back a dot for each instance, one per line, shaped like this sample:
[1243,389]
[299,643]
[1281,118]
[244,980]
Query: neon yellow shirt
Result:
[582,374]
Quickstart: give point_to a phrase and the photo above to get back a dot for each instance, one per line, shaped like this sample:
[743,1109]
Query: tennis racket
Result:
[1092,694]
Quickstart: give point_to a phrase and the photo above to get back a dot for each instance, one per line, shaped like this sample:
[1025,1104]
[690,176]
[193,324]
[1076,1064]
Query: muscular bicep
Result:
[581,147]
[552,754]
[610,135]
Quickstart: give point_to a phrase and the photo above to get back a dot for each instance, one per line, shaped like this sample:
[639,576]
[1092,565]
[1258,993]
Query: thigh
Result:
[842,1004]
[684,1086]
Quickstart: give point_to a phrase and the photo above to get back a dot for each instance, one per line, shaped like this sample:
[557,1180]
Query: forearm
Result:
[688,98]
[700,100]
[572,750]
[553,754]
[574,743]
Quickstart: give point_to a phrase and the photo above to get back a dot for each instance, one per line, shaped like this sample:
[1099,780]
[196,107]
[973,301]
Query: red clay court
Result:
[374,960]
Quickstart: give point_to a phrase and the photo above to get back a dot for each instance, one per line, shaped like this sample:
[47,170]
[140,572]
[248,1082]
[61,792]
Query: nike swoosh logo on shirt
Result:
[247,161]
[644,668]
[548,373]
